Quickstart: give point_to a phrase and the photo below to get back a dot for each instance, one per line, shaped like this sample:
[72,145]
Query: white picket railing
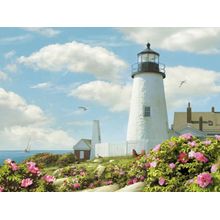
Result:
[119,149]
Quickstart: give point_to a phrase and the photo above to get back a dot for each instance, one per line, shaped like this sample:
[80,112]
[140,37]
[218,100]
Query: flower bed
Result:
[180,164]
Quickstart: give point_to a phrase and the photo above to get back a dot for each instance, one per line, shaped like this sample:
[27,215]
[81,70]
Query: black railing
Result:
[148,67]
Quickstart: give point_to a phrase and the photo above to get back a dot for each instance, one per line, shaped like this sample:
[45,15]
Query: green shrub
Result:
[48,159]
[65,159]
[44,159]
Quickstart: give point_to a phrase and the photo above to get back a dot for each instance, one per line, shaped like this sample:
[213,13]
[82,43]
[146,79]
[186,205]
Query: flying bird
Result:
[182,82]
[83,108]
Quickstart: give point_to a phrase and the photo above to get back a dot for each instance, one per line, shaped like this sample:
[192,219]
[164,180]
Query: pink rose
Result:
[183,157]
[217,137]
[76,185]
[156,148]
[191,154]
[200,157]
[162,181]
[8,161]
[109,182]
[207,142]
[214,168]
[147,165]
[153,164]
[190,181]
[142,178]
[204,179]
[192,144]
[1,189]
[172,165]
[14,166]
[32,168]
[91,185]
[187,136]
[130,182]
[26,182]
[82,173]
[32,164]
[135,180]
[48,178]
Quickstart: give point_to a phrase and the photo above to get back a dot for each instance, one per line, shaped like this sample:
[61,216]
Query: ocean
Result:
[19,156]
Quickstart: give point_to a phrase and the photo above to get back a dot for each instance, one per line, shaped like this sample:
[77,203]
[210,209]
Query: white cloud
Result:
[9,54]
[114,96]
[200,86]
[14,39]
[44,31]
[44,85]
[20,120]
[76,57]
[12,67]
[3,76]
[15,111]
[41,138]
[197,40]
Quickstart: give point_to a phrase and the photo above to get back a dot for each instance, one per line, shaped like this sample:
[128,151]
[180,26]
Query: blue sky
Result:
[46,73]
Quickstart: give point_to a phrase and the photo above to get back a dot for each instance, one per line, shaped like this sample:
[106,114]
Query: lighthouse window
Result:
[146,111]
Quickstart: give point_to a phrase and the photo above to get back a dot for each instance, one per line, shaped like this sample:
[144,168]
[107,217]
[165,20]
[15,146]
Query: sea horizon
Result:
[20,155]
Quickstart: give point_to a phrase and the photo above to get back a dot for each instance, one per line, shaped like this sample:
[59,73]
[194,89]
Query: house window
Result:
[146,111]
[210,123]
[81,154]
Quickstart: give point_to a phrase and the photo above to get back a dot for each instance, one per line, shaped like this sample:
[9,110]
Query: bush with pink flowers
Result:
[26,177]
[186,164]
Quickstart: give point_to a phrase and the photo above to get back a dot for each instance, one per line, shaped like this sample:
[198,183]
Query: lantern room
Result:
[148,61]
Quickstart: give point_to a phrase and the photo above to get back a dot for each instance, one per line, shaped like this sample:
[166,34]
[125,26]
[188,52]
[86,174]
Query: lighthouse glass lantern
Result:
[148,61]
[148,123]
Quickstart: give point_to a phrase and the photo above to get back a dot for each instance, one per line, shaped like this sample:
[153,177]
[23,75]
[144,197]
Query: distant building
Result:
[200,124]
[84,149]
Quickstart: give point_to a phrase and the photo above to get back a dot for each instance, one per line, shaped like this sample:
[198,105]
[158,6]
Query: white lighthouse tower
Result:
[148,124]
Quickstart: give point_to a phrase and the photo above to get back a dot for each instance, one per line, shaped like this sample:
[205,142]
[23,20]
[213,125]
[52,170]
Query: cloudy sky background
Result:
[46,73]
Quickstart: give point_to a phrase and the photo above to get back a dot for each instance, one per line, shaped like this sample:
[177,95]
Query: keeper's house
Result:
[199,124]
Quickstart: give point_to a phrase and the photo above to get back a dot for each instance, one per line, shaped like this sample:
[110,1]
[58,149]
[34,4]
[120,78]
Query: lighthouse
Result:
[148,124]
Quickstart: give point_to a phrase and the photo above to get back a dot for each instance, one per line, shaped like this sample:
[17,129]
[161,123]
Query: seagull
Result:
[83,108]
[182,82]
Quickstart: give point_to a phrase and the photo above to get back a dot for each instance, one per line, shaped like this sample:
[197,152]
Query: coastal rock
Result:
[137,187]
[100,170]
[59,182]
[57,172]
[109,188]
[98,160]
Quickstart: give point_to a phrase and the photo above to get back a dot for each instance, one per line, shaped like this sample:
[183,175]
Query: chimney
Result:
[200,123]
[96,136]
[213,109]
[189,113]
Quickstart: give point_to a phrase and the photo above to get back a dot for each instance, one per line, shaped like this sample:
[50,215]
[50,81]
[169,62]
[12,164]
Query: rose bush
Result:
[184,163]
[24,178]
